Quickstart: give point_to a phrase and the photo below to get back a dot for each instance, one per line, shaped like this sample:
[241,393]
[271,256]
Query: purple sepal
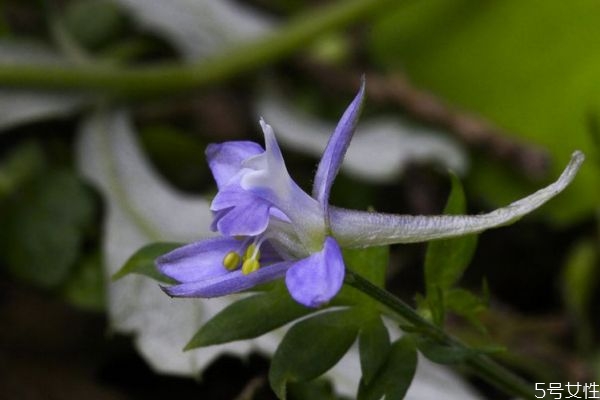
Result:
[198,260]
[314,280]
[232,282]
[225,159]
[336,149]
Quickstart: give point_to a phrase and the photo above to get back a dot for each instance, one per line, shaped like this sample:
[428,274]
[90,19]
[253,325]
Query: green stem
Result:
[164,79]
[480,364]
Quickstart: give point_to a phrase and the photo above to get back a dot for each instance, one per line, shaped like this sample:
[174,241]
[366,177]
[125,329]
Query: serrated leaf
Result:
[396,375]
[142,262]
[43,226]
[374,345]
[311,347]
[249,318]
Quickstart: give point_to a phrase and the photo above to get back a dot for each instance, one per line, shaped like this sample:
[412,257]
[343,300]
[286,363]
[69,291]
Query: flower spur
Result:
[270,228]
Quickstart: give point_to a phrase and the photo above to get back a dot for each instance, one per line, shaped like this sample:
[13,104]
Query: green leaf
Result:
[142,262]
[85,286]
[395,377]
[19,166]
[444,354]
[371,263]
[249,318]
[311,347]
[450,354]
[43,225]
[374,345]
[466,304]
[319,389]
[93,22]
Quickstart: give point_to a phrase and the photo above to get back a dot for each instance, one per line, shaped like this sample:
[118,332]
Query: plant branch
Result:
[175,78]
[480,364]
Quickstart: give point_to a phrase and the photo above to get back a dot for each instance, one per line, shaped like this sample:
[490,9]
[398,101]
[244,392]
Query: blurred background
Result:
[95,164]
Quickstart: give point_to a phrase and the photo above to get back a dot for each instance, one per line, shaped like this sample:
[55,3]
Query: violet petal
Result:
[232,282]
[225,159]
[314,280]
[198,260]
[336,149]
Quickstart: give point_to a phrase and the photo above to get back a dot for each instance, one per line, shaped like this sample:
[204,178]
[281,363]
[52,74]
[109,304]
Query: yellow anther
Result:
[231,260]
[250,265]
[251,252]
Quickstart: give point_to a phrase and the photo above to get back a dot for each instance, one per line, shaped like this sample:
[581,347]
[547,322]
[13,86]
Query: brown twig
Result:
[472,130]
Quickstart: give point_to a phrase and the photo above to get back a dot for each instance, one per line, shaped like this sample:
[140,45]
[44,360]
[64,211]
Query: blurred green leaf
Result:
[395,377]
[93,22]
[43,226]
[249,318]
[580,279]
[513,63]
[142,262]
[19,166]
[448,354]
[311,347]
[371,263]
[85,286]
[319,389]
[177,155]
[466,304]
[374,346]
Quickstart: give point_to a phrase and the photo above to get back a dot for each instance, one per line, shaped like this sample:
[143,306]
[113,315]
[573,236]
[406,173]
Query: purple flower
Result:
[270,228]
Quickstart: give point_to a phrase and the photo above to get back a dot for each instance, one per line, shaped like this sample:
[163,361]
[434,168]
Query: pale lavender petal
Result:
[199,260]
[248,218]
[225,159]
[363,229]
[232,282]
[314,280]
[336,149]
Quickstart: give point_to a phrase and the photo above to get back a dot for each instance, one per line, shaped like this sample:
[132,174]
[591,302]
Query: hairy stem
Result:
[480,364]
[165,79]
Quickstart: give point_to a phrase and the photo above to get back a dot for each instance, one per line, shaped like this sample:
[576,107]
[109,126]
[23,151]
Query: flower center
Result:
[250,260]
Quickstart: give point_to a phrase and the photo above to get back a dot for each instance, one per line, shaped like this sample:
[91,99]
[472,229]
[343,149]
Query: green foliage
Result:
[371,263]
[319,389]
[92,22]
[513,63]
[374,346]
[85,286]
[249,318]
[452,353]
[142,262]
[177,155]
[580,279]
[43,224]
[396,375]
[19,166]
[311,347]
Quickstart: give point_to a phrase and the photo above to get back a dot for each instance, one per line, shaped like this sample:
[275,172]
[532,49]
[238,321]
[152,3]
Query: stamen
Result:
[252,252]
[231,261]
[250,265]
